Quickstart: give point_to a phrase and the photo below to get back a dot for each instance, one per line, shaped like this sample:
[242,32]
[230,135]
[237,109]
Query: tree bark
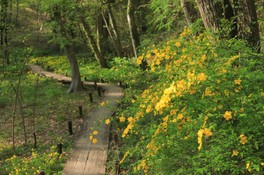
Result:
[209,14]
[229,15]
[189,11]
[134,35]
[4,22]
[247,22]
[76,84]
[92,42]
[114,28]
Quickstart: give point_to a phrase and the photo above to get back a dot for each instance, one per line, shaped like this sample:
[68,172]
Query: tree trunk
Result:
[76,84]
[209,14]
[189,11]
[131,8]
[115,32]
[92,42]
[112,37]
[229,15]
[247,22]
[4,31]
[134,35]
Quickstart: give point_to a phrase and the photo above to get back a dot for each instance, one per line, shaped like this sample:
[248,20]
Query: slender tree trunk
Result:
[92,42]
[115,31]
[117,48]
[17,12]
[134,34]
[76,84]
[99,28]
[209,14]
[4,31]
[248,27]
[229,15]
[189,11]
[131,8]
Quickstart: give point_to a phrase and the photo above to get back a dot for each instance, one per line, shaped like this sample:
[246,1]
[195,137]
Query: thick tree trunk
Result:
[248,27]
[76,84]
[189,11]
[209,14]
[92,42]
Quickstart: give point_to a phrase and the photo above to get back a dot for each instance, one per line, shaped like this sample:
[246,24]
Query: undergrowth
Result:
[201,113]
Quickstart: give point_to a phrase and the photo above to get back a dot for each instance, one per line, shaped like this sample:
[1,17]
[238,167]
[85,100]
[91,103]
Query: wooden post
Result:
[91,97]
[80,111]
[59,146]
[85,79]
[99,92]
[95,85]
[120,83]
[35,140]
[70,127]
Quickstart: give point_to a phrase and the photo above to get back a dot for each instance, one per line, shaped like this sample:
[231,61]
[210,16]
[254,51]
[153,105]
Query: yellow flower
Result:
[107,121]
[235,153]
[148,109]
[247,165]
[201,77]
[228,115]
[200,137]
[130,119]
[180,117]
[95,132]
[173,112]
[122,119]
[178,44]
[148,56]
[139,60]
[102,103]
[207,132]
[243,139]
[238,81]
[91,137]
[94,141]
[184,50]
[262,163]
[203,57]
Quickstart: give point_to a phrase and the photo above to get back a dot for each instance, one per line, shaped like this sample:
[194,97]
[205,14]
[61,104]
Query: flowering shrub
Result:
[201,114]
[50,162]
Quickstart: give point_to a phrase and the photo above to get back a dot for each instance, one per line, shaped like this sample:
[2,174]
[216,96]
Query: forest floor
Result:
[87,157]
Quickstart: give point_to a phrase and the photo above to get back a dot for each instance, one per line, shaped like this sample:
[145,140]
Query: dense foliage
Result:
[201,114]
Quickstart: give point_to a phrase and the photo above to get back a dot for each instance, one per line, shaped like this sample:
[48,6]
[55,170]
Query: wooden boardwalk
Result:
[87,158]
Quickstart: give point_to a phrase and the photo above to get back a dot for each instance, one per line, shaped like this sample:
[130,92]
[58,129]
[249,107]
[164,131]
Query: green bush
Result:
[203,112]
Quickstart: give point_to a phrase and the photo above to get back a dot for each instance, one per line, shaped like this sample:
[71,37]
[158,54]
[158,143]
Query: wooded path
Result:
[87,158]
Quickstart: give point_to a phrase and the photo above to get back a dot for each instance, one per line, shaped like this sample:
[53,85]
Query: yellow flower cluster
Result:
[243,139]
[92,136]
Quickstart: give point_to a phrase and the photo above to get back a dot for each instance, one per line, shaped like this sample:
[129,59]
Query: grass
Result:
[43,107]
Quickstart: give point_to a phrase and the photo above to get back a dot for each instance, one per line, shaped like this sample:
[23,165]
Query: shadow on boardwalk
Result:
[87,158]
